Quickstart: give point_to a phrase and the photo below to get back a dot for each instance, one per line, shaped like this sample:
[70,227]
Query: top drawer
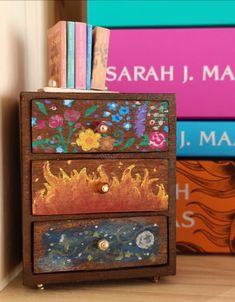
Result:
[88,126]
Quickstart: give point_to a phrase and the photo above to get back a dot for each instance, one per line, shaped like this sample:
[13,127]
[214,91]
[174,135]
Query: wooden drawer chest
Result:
[98,186]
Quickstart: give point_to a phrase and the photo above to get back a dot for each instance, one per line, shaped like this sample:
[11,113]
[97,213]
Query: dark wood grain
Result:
[27,156]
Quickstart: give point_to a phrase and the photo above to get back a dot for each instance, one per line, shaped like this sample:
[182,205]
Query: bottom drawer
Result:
[99,244]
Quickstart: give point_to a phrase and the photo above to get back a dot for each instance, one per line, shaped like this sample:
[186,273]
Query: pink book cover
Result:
[80,55]
[198,64]
[56,46]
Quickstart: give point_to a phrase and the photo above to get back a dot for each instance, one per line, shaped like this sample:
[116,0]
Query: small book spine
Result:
[80,55]
[70,54]
[89,56]
[63,55]
[100,57]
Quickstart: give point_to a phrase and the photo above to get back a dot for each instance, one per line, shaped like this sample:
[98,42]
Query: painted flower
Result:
[33,121]
[59,149]
[88,140]
[41,124]
[124,110]
[106,143]
[127,126]
[68,103]
[112,106]
[77,125]
[56,121]
[116,118]
[106,113]
[157,139]
[72,115]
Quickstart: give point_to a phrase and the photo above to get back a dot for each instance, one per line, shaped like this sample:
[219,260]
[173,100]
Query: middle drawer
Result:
[89,186]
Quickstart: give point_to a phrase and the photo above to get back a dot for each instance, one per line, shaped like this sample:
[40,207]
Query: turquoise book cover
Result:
[70,54]
[89,56]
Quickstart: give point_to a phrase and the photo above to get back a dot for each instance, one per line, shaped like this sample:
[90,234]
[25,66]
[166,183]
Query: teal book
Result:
[89,57]
[70,54]
[158,13]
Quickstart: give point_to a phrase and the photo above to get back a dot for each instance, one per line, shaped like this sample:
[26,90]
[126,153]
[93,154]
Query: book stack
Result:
[77,56]
[198,65]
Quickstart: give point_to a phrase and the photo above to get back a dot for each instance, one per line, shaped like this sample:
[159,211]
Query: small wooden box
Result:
[98,186]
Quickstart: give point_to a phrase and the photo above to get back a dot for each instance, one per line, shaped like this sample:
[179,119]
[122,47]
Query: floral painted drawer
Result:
[88,186]
[99,244]
[77,126]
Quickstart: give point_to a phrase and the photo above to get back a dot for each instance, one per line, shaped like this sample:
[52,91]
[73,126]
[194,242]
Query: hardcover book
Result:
[195,63]
[205,194]
[142,13]
[70,54]
[205,138]
[80,55]
[100,57]
[89,56]
[56,46]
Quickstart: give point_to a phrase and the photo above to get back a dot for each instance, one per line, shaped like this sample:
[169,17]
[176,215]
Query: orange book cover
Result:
[56,45]
[100,36]
[205,202]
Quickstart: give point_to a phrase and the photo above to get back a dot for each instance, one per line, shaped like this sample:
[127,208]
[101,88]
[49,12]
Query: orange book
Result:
[100,36]
[56,45]
[205,194]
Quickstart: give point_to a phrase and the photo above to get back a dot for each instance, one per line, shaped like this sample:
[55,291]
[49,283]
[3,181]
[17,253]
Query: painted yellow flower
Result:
[88,140]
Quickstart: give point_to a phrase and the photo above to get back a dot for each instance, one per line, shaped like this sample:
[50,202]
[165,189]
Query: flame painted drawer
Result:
[78,126]
[99,244]
[92,186]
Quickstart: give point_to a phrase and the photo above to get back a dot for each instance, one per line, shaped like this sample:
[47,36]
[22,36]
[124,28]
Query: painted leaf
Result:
[129,143]
[42,108]
[91,110]
[145,141]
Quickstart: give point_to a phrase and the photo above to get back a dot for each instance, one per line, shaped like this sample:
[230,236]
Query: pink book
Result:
[56,46]
[198,64]
[80,55]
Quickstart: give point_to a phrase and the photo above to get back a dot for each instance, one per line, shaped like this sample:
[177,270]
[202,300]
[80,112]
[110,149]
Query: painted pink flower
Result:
[72,115]
[77,125]
[41,124]
[55,121]
[157,140]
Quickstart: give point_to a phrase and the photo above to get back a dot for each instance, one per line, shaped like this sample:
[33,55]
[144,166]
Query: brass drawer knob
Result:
[105,188]
[103,127]
[102,187]
[103,245]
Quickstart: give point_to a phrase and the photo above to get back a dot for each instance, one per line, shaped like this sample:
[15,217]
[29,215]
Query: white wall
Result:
[23,26]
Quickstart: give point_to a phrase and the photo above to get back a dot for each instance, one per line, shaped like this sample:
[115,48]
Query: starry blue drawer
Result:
[99,244]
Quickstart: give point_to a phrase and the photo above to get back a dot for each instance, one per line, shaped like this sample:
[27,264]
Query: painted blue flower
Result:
[127,126]
[34,121]
[116,118]
[124,110]
[68,103]
[112,106]
[128,118]
[59,149]
[106,113]
[166,129]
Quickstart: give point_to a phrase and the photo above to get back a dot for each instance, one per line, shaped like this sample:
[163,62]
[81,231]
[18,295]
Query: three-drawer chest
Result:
[98,186]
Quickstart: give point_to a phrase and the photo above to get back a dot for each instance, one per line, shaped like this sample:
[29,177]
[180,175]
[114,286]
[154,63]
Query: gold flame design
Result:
[77,192]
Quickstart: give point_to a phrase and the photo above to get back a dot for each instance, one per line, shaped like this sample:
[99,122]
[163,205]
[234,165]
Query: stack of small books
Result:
[77,56]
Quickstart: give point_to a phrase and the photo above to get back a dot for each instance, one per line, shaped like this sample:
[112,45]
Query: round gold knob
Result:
[103,128]
[105,188]
[103,245]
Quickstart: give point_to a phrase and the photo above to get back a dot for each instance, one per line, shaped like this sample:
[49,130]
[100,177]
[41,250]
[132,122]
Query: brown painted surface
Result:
[88,256]
[103,126]
[75,186]
[31,279]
